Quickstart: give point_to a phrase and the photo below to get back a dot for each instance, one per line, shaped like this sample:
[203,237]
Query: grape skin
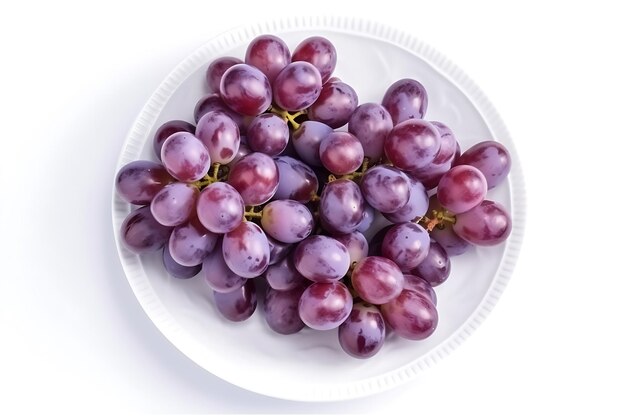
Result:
[237,305]
[405,99]
[281,310]
[435,268]
[412,144]
[406,244]
[216,70]
[371,123]
[296,181]
[220,134]
[297,86]
[341,153]
[287,221]
[246,90]
[217,274]
[255,177]
[487,224]
[411,315]
[342,206]
[489,157]
[385,188]
[377,280]
[318,51]
[246,250]
[139,181]
[321,258]
[325,305]
[269,54]
[363,333]
[462,188]
[141,233]
[220,207]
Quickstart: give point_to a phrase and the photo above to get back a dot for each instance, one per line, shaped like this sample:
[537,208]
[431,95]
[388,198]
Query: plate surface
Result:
[310,365]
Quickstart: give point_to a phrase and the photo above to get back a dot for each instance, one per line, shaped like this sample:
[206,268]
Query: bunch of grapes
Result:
[269,196]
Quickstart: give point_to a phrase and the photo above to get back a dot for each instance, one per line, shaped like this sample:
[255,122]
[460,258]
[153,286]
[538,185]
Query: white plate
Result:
[310,365]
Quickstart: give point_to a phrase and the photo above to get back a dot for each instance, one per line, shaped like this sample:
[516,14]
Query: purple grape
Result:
[341,206]
[385,188]
[278,250]
[287,220]
[377,280]
[217,69]
[430,175]
[318,51]
[220,208]
[448,144]
[284,276]
[190,243]
[174,204]
[139,181]
[255,177]
[246,250]
[376,242]
[237,305]
[363,333]
[412,145]
[268,133]
[246,90]
[420,286]
[321,259]
[220,135]
[213,102]
[405,99]
[450,241]
[217,274]
[371,123]
[368,218]
[281,310]
[297,86]
[243,150]
[141,233]
[462,188]
[406,244]
[296,181]
[325,305]
[177,270]
[166,130]
[357,245]
[341,153]
[306,140]
[335,105]
[485,225]
[411,315]
[491,158]
[415,207]
[268,53]
[185,157]
[435,268]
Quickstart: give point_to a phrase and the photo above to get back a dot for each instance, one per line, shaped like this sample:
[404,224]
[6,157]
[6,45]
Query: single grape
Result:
[450,241]
[297,86]
[141,233]
[318,51]
[307,141]
[385,188]
[371,123]
[255,177]
[185,157]
[220,208]
[491,158]
[287,220]
[177,270]
[321,258]
[237,305]
[166,130]
[341,153]
[217,69]
[368,218]
[174,204]
[325,305]
[363,333]
[190,243]
[284,276]
[296,181]
[420,286]
[411,315]
[414,208]
[278,250]
[435,268]
[268,133]
[357,245]
[335,105]
[487,224]
[341,206]
[139,181]
[246,250]
[281,310]
[246,90]
[406,244]
[213,102]
[462,188]
[406,99]
[217,274]
[412,145]
[220,134]
[377,280]
[268,53]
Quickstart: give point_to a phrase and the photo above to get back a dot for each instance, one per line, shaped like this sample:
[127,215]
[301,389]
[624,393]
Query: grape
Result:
[278,250]
[281,310]
[491,158]
[166,130]
[307,141]
[246,90]
[190,243]
[268,53]
[411,315]
[341,153]
[246,250]
[217,69]
[185,157]
[406,244]
[341,207]
[141,233]
[237,305]
[139,181]
[268,133]
[485,225]
[296,181]
[255,177]
[412,145]
[213,102]
[335,105]
[420,286]
[284,276]
[376,242]
[177,270]
[461,188]
[368,218]
[363,333]
[297,86]
[414,208]
[220,135]
[174,203]
[405,99]
[243,150]
[287,220]
[325,305]
[371,123]
[220,208]
[377,280]
[431,175]
[450,241]
[435,268]
[356,244]
[318,51]
[321,258]
[386,188]
[448,144]
[217,274]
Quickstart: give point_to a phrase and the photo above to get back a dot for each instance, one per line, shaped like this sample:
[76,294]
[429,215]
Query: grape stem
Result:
[356,175]
[214,177]
[287,117]
[252,213]
[439,219]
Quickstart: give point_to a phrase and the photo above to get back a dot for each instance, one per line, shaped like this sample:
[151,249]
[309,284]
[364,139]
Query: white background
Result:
[73,337]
